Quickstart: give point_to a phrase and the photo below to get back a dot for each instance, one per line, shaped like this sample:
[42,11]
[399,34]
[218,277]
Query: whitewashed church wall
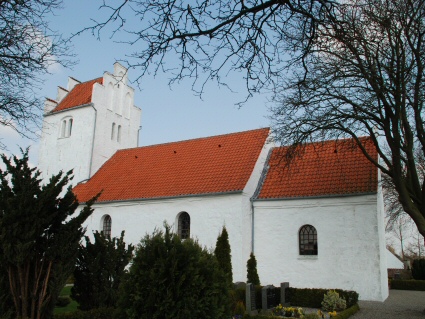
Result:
[109,113]
[69,152]
[382,257]
[246,204]
[349,244]
[208,215]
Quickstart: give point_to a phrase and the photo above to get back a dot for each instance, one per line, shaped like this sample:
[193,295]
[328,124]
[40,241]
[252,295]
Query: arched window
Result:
[119,133]
[308,240]
[63,129]
[107,224]
[184,225]
[66,127]
[113,131]
[70,127]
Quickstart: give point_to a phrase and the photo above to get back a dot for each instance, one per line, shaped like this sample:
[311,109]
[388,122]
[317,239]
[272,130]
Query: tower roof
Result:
[217,164]
[328,168]
[81,94]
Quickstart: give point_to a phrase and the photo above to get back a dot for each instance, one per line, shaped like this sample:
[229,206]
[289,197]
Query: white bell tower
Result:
[87,123]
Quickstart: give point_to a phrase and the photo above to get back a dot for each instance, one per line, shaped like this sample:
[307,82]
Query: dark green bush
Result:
[101,313]
[418,269]
[306,297]
[222,253]
[173,278]
[252,274]
[418,285]
[63,301]
[347,312]
[99,271]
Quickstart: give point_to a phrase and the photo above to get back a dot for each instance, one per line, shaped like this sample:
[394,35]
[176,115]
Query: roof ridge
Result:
[192,139]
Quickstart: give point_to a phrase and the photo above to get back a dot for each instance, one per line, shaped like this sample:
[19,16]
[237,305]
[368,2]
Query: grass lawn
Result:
[71,307]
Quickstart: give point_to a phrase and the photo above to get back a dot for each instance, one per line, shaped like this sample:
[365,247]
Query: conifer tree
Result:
[100,270]
[222,253]
[40,233]
[252,276]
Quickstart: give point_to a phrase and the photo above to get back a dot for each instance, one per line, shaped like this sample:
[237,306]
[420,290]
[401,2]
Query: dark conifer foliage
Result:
[252,276]
[173,278]
[40,232]
[100,270]
[222,253]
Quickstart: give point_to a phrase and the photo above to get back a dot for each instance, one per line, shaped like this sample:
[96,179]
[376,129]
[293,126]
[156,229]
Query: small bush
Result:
[239,309]
[418,269]
[63,301]
[332,301]
[418,285]
[252,274]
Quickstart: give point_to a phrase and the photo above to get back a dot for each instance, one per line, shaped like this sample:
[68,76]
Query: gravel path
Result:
[401,304]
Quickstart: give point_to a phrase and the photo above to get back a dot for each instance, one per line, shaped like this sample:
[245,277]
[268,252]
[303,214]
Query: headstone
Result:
[283,298]
[268,297]
[250,298]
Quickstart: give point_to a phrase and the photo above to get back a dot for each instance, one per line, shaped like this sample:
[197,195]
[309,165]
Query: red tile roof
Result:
[322,169]
[217,164]
[81,94]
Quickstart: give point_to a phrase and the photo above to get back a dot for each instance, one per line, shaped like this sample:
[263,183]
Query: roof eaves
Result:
[314,197]
[166,197]
[70,108]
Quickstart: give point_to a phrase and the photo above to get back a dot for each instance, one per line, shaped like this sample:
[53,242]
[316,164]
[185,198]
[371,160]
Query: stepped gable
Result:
[81,94]
[330,168]
[217,164]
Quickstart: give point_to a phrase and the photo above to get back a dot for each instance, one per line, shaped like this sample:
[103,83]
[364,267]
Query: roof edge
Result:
[70,108]
[166,197]
[315,197]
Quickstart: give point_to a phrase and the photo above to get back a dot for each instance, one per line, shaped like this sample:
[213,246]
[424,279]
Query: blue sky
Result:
[168,114]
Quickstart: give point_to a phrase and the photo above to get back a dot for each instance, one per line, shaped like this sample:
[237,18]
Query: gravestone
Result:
[250,298]
[283,297]
[269,297]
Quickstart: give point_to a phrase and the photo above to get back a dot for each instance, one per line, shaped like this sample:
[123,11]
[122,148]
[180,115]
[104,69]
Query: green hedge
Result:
[418,285]
[101,313]
[348,312]
[312,298]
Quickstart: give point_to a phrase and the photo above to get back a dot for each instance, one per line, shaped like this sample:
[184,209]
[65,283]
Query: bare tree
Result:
[28,47]
[336,69]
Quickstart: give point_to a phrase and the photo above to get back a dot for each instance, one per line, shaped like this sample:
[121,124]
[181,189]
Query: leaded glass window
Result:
[308,240]
[184,225]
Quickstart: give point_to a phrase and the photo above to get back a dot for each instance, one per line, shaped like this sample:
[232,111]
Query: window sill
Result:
[308,257]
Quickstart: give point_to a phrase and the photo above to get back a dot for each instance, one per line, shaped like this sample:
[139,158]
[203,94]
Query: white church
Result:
[318,223]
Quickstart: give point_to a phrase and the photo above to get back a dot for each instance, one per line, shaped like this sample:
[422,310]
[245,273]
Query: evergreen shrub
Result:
[173,278]
[252,274]
[418,285]
[63,301]
[333,302]
[99,271]
[347,312]
[418,269]
[222,253]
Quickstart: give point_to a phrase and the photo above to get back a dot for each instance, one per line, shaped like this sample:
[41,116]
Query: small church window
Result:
[308,240]
[70,127]
[66,127]
[119,133]
[184,225]
[107,225]
[113,131]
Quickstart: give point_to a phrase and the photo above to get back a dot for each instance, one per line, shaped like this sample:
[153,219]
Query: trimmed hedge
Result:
[348,312]
[418,285]
[101,313]
[306,297]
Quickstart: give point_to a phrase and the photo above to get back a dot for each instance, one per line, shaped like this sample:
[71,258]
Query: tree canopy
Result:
[28,48]
[40,232]
[335,69]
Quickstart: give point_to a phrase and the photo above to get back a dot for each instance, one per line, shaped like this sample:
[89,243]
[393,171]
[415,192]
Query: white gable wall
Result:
[349,244]
[64,153]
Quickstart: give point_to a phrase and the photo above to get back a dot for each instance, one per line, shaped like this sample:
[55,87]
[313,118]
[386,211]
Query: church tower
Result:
[87,123]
